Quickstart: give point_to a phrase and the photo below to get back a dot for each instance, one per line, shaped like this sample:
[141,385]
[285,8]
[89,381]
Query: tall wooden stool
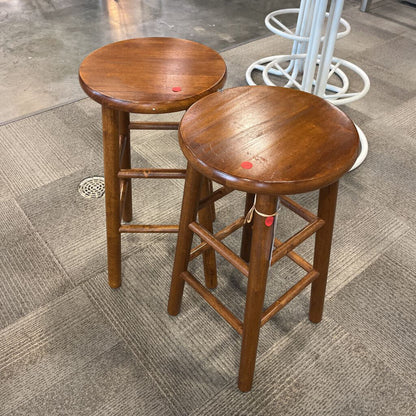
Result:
[149,76]
[267,142]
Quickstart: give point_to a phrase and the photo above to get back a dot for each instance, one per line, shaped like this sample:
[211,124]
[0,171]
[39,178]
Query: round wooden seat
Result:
[268,140]
[151,75]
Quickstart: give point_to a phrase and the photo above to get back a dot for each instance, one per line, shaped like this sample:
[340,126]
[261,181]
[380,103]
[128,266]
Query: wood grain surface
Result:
[296,142]
[139,75]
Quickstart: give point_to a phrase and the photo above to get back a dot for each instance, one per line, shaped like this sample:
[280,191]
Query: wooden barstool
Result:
[267,142]
[148,76]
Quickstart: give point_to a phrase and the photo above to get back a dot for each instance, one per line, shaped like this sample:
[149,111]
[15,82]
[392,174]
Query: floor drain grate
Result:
[92,187]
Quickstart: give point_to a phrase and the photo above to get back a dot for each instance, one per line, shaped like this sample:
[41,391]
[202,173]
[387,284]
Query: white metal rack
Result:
[311,65]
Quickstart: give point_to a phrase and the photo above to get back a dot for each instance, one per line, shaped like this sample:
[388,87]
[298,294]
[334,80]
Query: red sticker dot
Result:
[269,221]
[176,89]
[246,165]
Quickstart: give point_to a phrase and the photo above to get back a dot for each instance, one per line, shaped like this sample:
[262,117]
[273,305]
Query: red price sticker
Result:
[269,221]
[246,165]
[176,89]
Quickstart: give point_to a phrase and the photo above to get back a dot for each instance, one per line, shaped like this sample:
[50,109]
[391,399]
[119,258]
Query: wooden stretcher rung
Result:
[215,196]
[288,296]
[152,173]
[220,235]
[213,301]
[284,248]
[139,228]
[122,141]
[124,186]
[162,125]
[300,261]
[220,248]
[298,209]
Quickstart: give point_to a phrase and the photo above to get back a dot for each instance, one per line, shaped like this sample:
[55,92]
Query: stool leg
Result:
[183,246]
[206,219]
[323,241]
[124,131]
[262,241]
[211,190]
[247,231]
[112,194]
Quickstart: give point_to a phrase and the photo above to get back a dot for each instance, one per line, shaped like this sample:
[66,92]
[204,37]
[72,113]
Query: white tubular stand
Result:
[311,66]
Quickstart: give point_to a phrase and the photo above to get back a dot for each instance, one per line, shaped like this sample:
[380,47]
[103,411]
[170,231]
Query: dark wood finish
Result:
[297,142]
[298,209]
[295,240]
[323,240]
[125,163]
[137,75]
[220,235]
[213,196]
[211,192]
[152,173]
[112,194]
[262,242]
[300,261]
[124,188]
[191,196]
[143,228]
[145,125]
[219,247]
[206,218]
[247,230]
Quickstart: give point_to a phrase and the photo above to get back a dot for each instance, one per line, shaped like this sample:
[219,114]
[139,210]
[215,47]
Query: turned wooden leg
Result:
[261,244]
[112,194]
[211,190]
[189,210]
[247,230]
[323,241]
[125,162]
[206,219]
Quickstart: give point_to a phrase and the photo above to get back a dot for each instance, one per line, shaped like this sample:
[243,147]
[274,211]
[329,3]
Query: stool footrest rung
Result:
[284,248]
[220,235]
[300,261]
[139,228]
[215,196]
[162,125]
[124,187]
[213,301]
[219,247]
[152,173]
[122,142]
[298,209]
[288,296]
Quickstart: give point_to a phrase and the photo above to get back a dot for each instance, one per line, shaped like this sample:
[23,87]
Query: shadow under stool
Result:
[147,76]
[267,142]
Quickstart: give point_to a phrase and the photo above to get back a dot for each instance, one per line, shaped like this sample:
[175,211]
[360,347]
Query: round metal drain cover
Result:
[92,187]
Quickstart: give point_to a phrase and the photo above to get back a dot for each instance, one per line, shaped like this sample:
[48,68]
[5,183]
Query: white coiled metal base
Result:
[311,66]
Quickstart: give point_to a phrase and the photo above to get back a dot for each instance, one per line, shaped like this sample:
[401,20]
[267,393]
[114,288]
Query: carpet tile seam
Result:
[264,357]
[124,335]
[66,378]
[39,343]
[43,168]
[35,315]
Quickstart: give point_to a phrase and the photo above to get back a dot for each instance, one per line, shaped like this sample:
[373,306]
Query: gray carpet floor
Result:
[70,345]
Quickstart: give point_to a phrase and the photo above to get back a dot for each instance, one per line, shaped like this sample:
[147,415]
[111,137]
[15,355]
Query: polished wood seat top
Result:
[272,140]
[140,75]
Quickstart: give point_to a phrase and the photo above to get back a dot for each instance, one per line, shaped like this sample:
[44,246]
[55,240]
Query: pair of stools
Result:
[268,142]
